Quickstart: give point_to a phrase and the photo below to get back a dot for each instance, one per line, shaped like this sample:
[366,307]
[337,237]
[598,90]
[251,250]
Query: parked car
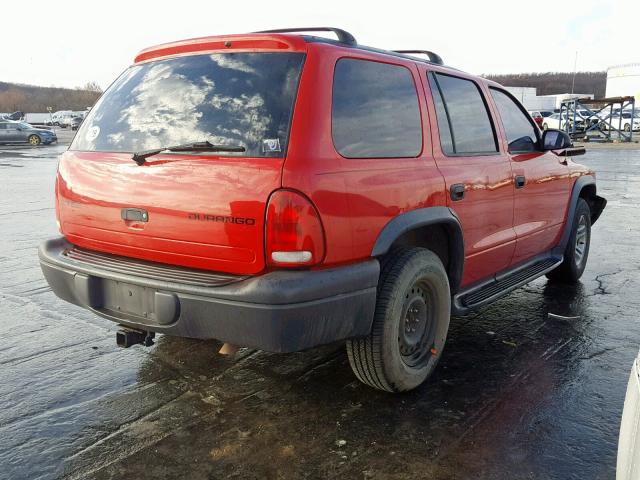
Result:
[64,121]
[364,200]
[59,115]
[75,123]
[537,117]
[553,121]
[625,120]
[20,132]
[628,464]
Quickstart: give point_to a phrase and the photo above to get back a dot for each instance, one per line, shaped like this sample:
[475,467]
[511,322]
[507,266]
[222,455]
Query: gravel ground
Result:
[517,395]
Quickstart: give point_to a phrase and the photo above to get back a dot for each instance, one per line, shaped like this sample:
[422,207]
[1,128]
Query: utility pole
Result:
[575,64]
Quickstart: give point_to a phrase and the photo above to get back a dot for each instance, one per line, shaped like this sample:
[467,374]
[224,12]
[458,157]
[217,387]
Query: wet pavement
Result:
[517,395]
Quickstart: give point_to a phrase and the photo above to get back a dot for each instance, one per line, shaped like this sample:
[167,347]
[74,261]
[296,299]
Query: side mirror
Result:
[555,140]
[560,143]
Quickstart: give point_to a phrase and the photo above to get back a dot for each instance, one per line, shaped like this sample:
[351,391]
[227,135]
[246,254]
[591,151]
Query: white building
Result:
[529,98]
[624,80]
[532,101]
[558,98]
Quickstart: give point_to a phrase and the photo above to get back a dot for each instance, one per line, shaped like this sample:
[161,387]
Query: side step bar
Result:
[503,283]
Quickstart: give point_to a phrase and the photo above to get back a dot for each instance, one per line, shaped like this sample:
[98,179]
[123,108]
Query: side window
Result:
[375,112]
[446,142]
[463,119]
[521,134]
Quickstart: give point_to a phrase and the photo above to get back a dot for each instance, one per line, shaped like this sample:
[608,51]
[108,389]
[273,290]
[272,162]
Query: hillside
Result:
[549,83]
[29,98]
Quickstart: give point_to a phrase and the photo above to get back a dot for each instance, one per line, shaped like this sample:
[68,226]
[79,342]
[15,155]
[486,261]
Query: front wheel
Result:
[627,128]
[544,126]
[410,323]
[577,250]
[34,140]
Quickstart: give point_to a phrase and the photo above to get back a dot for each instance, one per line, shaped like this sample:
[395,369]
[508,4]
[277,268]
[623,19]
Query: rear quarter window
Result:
[375,112]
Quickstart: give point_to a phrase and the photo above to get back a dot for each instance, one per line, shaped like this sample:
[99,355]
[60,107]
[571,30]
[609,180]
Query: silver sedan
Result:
[20,132]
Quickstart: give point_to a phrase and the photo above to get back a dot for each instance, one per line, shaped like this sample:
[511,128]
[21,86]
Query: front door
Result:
[12,132]
[477,174]
[541,179]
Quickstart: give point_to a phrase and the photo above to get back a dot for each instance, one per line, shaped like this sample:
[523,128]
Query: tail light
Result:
[293,233]
[57,205]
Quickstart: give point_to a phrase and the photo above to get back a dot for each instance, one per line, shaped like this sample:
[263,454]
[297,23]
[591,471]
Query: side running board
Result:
[503,283]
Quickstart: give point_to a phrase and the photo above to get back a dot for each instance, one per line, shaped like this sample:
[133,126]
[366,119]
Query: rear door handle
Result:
[520,181]
[457,191]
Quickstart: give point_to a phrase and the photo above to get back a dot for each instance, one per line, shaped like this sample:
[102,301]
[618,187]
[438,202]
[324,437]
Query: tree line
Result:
[32,99]
[29,98]
[550,83]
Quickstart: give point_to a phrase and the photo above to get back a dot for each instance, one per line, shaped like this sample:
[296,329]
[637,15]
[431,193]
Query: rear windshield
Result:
[231,99]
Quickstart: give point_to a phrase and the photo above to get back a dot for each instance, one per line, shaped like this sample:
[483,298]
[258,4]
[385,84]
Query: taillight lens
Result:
[57,205]
[293,233]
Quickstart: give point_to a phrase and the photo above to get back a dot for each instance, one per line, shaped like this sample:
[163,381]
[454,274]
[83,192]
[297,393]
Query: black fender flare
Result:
[422,217]
[598,203]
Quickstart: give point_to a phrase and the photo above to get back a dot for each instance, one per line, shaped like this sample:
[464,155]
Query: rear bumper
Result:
[281,311]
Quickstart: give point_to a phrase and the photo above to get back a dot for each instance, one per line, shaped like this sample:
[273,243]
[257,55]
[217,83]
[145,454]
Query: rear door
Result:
[13,134]
[477,174]
[542,181]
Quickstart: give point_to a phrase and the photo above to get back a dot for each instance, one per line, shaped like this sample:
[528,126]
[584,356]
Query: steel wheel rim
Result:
[416,329]
[581,240]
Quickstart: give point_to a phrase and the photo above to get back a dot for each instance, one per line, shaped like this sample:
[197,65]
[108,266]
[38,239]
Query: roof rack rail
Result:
[433,57]
[343,36]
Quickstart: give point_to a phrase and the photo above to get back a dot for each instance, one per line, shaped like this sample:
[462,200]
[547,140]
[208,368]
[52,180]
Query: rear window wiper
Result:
[140,157]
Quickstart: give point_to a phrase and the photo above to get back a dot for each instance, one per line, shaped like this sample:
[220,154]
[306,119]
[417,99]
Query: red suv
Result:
[282,191]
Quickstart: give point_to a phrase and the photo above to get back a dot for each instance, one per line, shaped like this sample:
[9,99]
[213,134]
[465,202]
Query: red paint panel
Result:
[204,212]
[356,198]
[486,211]
[540,206]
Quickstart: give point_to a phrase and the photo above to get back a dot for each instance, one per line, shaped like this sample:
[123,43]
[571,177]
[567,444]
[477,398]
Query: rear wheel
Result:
[544,126]
[34,140]
[627,128]
[410,323]
[577,250]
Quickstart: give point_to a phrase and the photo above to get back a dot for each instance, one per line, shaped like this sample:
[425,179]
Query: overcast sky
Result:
[69,43]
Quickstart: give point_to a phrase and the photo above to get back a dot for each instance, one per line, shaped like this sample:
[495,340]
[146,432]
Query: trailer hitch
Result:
[127,337]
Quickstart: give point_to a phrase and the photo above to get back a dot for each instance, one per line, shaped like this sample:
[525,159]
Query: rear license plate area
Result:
[129,299]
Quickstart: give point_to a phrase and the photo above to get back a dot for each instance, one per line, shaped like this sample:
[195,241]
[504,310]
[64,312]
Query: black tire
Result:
[577,251]
[34,140]
[627,128]
[410,323]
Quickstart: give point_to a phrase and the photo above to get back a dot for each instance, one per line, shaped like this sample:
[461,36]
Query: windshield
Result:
[240,99]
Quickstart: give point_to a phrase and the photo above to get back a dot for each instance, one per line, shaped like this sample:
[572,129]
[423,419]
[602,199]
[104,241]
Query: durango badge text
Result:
[205,217]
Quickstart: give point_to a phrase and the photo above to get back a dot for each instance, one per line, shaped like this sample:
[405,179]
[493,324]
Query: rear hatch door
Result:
[195,209]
